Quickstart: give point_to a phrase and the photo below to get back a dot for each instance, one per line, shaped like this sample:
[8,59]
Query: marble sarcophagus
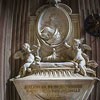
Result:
[54,81]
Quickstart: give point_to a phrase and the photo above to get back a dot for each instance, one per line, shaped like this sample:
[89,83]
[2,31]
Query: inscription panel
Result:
[54,89]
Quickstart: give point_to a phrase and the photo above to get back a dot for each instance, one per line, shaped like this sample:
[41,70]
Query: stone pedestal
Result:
[54,84]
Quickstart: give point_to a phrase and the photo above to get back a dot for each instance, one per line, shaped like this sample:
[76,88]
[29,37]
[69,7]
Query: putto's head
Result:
[77,41]
[25,46]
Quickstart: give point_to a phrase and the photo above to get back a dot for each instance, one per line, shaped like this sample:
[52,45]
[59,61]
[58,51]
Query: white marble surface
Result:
[54,88]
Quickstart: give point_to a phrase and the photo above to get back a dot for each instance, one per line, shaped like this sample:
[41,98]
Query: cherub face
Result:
[25,46]
[77,41]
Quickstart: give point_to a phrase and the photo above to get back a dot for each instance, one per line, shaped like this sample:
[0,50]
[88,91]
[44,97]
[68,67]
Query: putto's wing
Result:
[92,64]
[18,55]
[86,47]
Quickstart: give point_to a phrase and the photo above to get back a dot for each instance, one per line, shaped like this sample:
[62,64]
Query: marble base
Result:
[54,88]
